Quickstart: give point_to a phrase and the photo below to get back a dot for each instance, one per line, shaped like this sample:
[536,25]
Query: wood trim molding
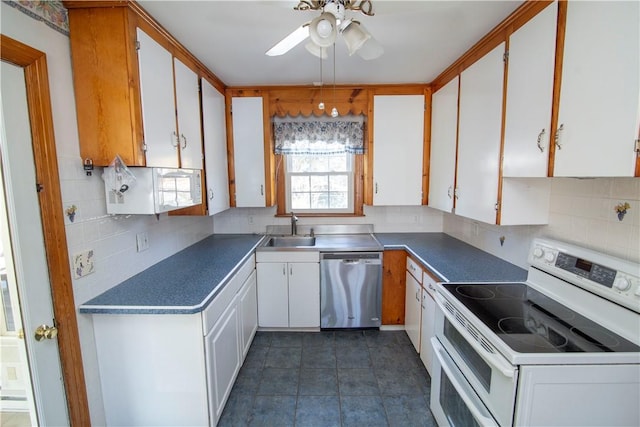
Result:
[492,39]
[426,150]
[34,63]
[557,82]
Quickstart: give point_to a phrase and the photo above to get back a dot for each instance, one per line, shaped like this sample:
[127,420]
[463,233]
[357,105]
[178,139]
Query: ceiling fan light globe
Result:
[323,31]
[354,36]
[324,28]
[370,50]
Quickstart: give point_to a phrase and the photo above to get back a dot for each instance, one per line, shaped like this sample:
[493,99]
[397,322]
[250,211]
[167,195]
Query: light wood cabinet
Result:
[529,96]
[444,140]
[600,90]
[393,286]
[215,148]
[398,140]
[248,151]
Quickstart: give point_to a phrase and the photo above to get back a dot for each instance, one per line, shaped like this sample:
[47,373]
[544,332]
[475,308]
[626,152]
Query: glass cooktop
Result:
[530,322]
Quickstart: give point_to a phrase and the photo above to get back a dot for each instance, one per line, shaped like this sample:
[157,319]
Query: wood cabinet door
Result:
[215,148]
[304,294]
[398,140]
[158,105]
[273,295]
[480,126]
[413,310]
[188,111]
[248,151]
[598,114]
[393,286]
[444,139]
[530,96]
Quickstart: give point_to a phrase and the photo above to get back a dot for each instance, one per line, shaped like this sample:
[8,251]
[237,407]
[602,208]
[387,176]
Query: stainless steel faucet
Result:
[294,224]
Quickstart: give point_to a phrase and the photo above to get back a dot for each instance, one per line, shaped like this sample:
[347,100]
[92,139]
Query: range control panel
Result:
[609,277]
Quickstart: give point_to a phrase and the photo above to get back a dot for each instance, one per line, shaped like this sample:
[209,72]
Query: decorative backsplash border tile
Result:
[51,12]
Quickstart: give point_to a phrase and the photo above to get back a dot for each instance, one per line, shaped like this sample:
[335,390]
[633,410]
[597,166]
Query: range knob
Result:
[622,284]
[538,252]
[549,256]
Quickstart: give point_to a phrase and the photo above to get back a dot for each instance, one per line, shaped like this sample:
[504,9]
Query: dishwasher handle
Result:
[353,257]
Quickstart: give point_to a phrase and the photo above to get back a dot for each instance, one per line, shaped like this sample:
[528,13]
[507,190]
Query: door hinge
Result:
[39,187]
[497,206]
[505,56]
[144,147]
[637,149]
[137,43]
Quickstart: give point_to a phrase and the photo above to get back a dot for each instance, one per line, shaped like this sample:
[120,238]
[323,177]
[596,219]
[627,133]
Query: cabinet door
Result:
[599,93]
[530,96]
[398,139]
[304,295]
[273,295]
[188,110]
[413,310]
[248,151]
[480,126]
[223,359]
[215,148]
[248,304]
[427,330]
[444,138]
[158,106]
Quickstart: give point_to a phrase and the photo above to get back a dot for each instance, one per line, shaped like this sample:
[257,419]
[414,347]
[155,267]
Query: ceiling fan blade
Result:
[290,41]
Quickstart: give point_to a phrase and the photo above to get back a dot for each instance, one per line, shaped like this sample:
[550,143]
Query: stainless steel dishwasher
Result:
[350,290]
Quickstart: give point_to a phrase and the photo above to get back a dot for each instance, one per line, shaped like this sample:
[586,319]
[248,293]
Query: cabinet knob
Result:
[262,190]
[184,141]
[210,194]
[449,191]
[540,146]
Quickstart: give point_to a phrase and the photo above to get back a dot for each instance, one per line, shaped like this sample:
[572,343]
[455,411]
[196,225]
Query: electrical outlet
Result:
[142,241]
[83,264]
[250,219]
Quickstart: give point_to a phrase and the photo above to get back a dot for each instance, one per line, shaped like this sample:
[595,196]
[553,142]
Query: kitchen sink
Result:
[290,241]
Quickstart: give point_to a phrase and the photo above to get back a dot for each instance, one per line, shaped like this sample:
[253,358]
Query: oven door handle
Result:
[493,359]
[480,414]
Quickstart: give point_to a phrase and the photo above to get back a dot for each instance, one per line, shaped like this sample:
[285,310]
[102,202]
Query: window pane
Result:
[300,183]
[339,183]
[319,183]
[338,200]
[319,163]
[300,164]
[300,201]
[338,163]
[319,201]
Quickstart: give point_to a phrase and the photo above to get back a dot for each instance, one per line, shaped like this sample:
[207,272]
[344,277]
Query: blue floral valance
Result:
[319,137]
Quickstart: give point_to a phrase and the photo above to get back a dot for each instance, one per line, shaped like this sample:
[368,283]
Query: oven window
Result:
[480,368]
[452,404]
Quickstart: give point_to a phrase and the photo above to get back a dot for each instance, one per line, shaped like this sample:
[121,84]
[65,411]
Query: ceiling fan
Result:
[324,29]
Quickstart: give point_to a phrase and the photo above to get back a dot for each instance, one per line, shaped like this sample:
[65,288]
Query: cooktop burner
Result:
[530,322]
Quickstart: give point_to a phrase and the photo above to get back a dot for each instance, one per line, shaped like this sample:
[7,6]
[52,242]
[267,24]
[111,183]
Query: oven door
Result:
[488,373]
[453,401]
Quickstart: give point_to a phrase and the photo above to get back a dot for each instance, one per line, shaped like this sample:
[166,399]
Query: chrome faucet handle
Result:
[294,227]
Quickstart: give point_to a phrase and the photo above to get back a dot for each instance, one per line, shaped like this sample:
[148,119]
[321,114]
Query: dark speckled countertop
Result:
[187,281]
[452,259]
[181,284]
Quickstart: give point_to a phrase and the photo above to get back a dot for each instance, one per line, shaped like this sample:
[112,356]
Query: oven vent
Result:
[469,327]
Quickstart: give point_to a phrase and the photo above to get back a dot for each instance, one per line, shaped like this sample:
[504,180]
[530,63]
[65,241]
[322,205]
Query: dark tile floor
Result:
[342,378]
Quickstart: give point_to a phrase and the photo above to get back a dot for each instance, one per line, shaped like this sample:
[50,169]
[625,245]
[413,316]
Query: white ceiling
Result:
[420,38]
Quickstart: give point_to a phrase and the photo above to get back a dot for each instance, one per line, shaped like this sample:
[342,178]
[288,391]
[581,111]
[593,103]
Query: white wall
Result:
[581,212]
[385,219]
[112,238]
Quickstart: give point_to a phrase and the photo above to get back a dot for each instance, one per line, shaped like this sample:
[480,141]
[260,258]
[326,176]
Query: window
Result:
[319,183]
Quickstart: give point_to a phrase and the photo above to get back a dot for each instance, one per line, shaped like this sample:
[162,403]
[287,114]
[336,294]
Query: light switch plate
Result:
[83,264]
[142,241]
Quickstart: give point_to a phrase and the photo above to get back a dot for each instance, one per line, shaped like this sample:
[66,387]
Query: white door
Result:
[20,220]
[215,148]
[248,151]
[398,141]
[158,105]
[413,310]
[273,294]
[304,294]
[444,140]
[188,108]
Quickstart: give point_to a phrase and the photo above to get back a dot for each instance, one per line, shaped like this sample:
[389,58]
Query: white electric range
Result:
[561,349]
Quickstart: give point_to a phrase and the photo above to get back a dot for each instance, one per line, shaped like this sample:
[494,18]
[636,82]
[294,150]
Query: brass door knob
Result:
[46,332]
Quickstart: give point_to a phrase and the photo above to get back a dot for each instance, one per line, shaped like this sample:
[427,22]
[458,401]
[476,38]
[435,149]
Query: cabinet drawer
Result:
[414,269]
[429,283]
[288,256]
[220,303]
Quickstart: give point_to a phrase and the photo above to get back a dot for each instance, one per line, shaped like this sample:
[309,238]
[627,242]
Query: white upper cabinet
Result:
[215,148]
[444,127]
[158,106]
[248,151]
[188,110]
[481,93]
[398,140]
[598,115]
[530,96]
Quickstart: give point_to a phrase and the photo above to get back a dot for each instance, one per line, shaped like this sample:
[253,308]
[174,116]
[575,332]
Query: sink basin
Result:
[290,241]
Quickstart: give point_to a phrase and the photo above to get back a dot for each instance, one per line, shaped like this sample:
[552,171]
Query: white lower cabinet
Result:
[176,369]
[288,289]
[413,299]
[428,327]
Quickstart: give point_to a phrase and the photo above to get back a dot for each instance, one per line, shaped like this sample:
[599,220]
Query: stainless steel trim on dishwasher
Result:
[350,290]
